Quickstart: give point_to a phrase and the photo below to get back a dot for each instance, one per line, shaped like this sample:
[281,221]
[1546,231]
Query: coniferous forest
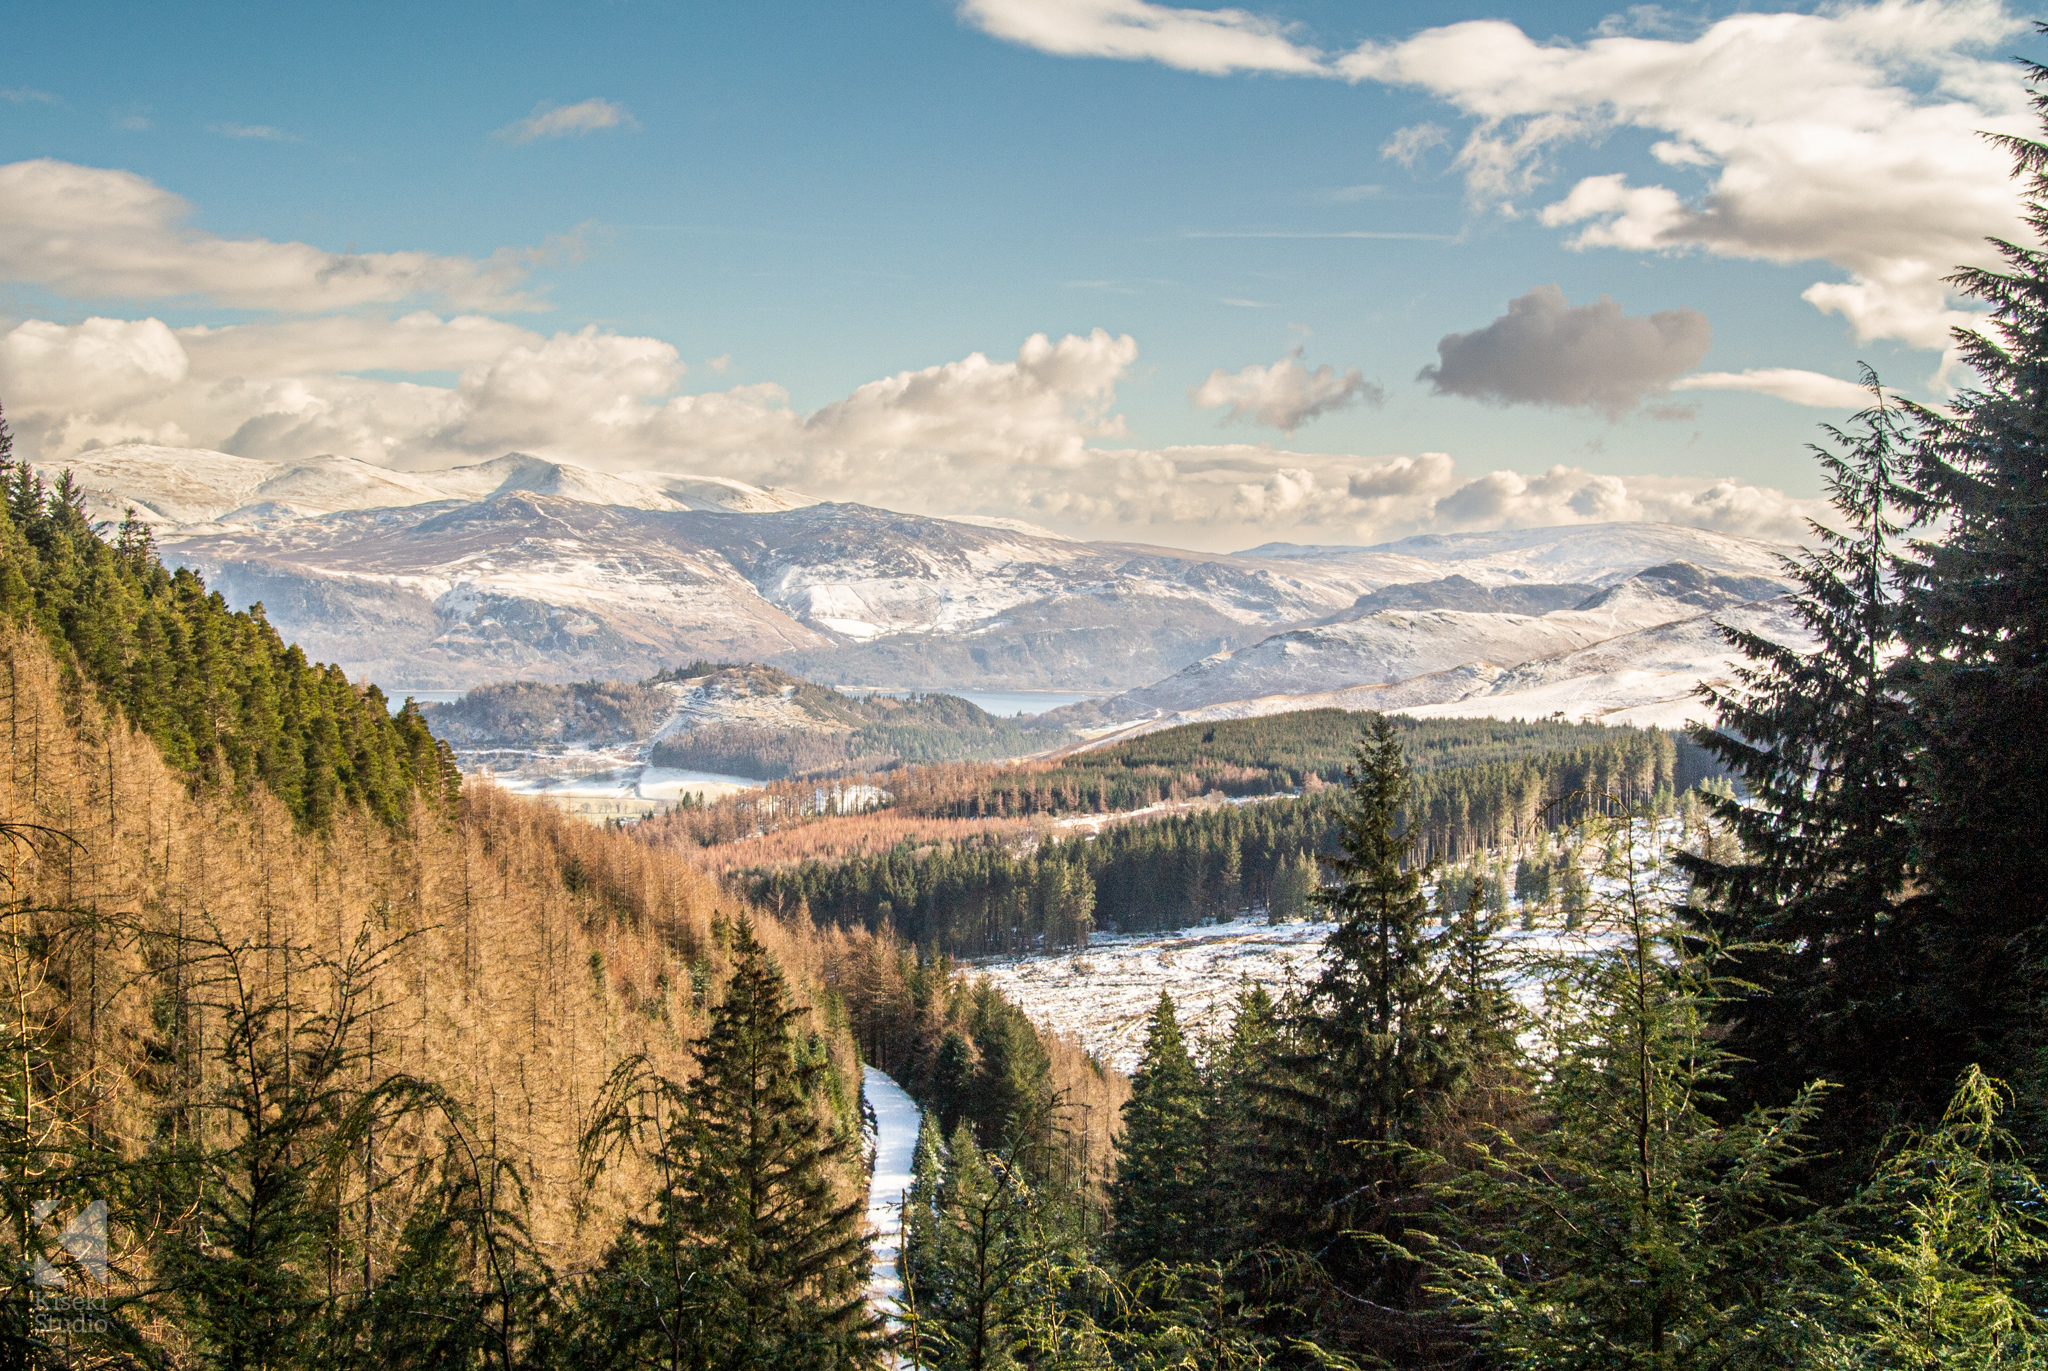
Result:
[315,1057]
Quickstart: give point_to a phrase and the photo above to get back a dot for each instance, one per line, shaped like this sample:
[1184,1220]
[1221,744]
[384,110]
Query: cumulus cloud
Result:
[1849,135]
[1786,383]
[1214,42]
[1544,351]
[1013,437]
[91,233]
[559,121]
[1285,395]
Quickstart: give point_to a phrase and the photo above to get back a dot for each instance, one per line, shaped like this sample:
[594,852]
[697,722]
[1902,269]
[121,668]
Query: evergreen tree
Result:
[1633,1230]
[1376,1068]
[1811,903]
[1955,1268]
[986,1242]
[1159,1198]
[1976,622]
[1240,1156]
[751,1257]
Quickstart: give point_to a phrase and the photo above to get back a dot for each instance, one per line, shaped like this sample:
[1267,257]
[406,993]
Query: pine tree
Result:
[1376,1069]
[751,1256]
[1159,1196]
[1976,623]
[1812,904]
[1634,1230]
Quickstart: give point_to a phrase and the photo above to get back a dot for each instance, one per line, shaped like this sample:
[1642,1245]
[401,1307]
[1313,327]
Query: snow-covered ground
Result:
[896,1125]
[1100,996]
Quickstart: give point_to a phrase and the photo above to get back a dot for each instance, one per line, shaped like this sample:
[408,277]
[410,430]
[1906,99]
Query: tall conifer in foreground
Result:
[751,1257]
[1375,1067]
[1822,739]
[1977,624]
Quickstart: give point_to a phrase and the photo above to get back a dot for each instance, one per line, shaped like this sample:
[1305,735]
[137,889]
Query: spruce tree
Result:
[1376,1068]
[754,1254]
[1977,625]
[1633,1229]
[1812,902]
[1159,1196]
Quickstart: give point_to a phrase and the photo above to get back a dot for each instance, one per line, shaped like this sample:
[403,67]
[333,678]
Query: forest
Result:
[970,884]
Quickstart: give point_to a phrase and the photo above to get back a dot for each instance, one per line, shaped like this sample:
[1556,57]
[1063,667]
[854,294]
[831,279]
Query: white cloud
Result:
[1214,42]
[91,233]
[1850,135]
[1285,395]
[27,95]
[1007,438]
[1786,383]
[558,121]
[1408,144]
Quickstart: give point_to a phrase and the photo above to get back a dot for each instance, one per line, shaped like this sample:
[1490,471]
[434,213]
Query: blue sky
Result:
[780,209]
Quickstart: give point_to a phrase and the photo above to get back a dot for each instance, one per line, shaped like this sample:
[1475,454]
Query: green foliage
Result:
[222,695]
[1814,891]
[1956,1266]
[1633,1229]
[1975,626]
[1162,1171]
[749,1258]
[1374,1067]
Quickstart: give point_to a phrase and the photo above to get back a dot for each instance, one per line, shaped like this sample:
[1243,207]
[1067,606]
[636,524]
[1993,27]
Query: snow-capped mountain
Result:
[522,567]
[1383,647]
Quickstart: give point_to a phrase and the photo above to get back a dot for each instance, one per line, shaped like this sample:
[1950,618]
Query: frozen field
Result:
[1101,996]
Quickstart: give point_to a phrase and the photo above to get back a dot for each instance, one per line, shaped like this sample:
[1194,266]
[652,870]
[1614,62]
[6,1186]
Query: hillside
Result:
[326,1035]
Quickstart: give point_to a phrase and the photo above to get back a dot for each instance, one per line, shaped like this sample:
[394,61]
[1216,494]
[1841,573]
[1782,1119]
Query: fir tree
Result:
[1810,905]
[1159,1198]
[1633,1230]
[751,1256]
[1377,1067]
[1976,622]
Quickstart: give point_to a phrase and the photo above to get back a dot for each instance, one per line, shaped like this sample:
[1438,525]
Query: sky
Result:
[1322,273]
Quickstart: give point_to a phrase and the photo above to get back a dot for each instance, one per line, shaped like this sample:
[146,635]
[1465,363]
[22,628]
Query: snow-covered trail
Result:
[896,1124]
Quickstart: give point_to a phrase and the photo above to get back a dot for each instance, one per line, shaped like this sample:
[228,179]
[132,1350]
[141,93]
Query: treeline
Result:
[992,896]
[1278,754]
[221,694]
